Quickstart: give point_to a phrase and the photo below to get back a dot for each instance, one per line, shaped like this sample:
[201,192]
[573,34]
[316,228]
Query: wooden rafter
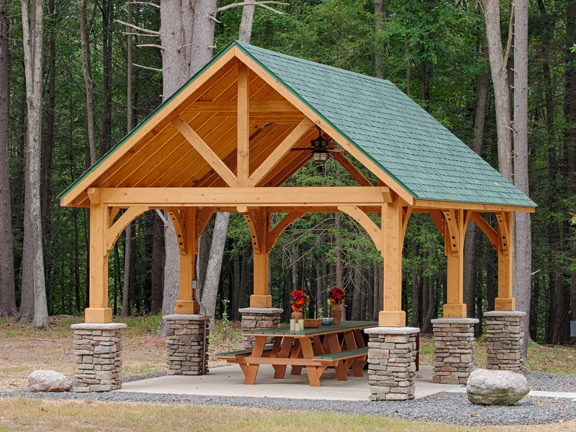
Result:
[352,170]
[280,151]
[207,153]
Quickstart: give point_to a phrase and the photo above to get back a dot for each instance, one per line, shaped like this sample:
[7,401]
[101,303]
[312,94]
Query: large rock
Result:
[496,387]
[48,381]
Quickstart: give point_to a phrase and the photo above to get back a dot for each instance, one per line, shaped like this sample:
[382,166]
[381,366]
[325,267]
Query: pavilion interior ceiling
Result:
[166,159]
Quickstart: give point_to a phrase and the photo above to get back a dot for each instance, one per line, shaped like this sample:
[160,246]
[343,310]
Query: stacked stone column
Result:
[257,319]
[98,349]
[391,367]
[453,349]
[187,344]
[504,338]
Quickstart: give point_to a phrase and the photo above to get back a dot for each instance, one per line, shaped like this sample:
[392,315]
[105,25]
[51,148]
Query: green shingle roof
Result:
[394,131]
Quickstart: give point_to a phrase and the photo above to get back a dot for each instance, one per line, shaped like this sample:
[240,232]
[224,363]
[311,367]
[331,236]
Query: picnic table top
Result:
[323,329]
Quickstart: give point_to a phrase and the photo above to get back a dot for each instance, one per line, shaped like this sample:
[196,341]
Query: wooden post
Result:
[243,131]
[392,314]
[98,311]
[188,250]
[259,223]
[454,233]
[505,301]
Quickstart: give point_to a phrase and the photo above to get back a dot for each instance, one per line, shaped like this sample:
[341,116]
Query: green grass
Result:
[39,415]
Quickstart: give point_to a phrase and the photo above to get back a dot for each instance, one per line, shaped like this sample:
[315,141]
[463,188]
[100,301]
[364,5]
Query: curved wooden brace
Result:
[438,219]
[453,239]
[504,226]
[486,228]
[178,223]
[116,229]
[286,221]
[368,224]
[252,226]
[202,218]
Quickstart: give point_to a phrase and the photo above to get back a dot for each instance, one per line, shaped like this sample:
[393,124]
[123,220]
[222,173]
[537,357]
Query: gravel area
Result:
[453,408]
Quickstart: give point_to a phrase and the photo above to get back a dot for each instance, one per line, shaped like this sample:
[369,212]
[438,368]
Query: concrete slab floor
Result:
[229,381]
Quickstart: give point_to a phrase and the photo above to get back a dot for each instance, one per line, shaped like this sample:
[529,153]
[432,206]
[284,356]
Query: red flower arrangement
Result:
[298,300]
[337,295]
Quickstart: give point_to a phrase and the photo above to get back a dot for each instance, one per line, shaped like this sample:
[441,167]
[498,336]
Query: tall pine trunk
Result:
[33,263]
[7,287]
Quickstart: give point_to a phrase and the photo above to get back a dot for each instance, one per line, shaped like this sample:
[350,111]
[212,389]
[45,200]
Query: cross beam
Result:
[249,197]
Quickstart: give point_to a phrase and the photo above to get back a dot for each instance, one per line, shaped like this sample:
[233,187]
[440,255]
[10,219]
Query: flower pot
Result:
[336,313]
[297,315]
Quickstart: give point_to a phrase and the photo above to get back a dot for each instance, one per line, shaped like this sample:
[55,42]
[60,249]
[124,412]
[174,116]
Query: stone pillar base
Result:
[453,349]
[187,344]
[504,337]
[258,318]
[98,349]
[391,367]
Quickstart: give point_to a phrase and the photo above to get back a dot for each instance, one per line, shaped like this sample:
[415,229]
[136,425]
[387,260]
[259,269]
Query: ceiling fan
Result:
[319,147]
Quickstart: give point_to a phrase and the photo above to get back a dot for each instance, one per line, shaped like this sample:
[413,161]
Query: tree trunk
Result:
[210,291]
[570,133]
[106,116]
[88,83]
[157,283]
[245,30]
[501,90]
[523,231]
[33,264]
[380,15]
[470,239]
[187,36]
[7,287]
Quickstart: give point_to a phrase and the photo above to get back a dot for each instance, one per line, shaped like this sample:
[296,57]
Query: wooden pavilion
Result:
[224,142]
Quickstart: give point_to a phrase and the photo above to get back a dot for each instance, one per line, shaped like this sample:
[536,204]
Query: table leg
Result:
[257,351]
[280,370]
[313,376]
[296,353]
[357,367]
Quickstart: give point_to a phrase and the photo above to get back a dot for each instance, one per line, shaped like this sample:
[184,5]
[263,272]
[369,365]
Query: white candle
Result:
[292,325]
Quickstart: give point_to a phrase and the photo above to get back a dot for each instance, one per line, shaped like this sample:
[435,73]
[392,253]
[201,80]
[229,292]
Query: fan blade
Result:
[335,150]
[300,148]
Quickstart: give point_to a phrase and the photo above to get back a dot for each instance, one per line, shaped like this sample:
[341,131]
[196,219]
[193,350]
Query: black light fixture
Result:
[320,145]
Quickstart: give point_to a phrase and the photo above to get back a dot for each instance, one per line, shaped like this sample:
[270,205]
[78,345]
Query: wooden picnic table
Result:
[340,346]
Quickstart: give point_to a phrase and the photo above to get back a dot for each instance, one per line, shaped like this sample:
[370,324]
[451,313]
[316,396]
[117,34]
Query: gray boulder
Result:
[496,387]
[48,381]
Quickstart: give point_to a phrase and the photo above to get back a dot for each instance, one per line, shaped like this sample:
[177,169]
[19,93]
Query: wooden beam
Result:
[486,228]
[243,128]
[280,151]
[325,126]
[256,107]
[281,226]
[250,197]
[455,222]
[94,195]
[352,170]
[116,229]
[206,152]
[392,314]
[98,310]
[438,219]
[481,208]
[505,299]
[365,222]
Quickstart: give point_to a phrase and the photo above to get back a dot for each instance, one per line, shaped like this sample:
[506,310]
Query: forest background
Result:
[435,51]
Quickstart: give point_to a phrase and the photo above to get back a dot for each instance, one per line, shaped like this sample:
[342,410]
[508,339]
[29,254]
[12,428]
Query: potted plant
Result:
[298,300]
[336,298]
